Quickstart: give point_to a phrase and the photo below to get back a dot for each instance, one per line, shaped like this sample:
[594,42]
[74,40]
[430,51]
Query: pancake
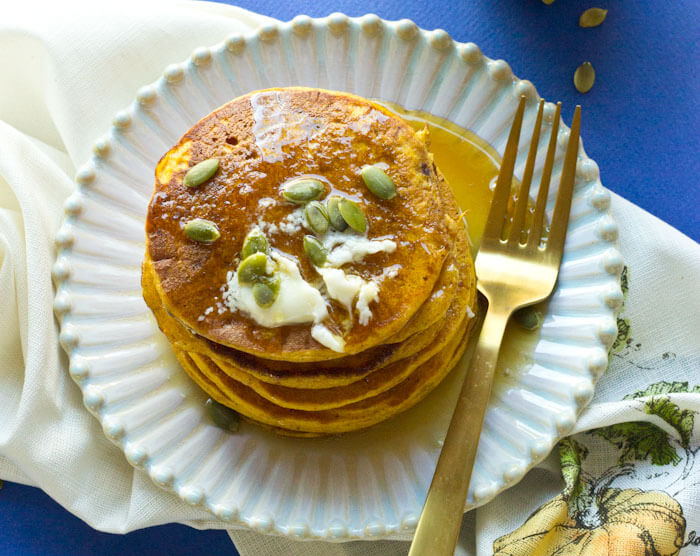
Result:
[374,383]
[431,312]
[343,341]
[338,372]
[262,140]
[327,376]
[347,418]
[434,308]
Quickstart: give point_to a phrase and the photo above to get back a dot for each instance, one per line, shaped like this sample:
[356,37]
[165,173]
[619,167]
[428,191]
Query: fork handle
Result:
[441,518]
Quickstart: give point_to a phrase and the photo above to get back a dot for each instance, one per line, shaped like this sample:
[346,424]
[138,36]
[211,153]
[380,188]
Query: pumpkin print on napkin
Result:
[594,515]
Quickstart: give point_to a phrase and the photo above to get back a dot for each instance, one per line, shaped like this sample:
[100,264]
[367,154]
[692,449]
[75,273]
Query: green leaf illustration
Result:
[577,491]
[659,388]
[625,282]
[640,440]
[682,420]
[571,455]
[623,336]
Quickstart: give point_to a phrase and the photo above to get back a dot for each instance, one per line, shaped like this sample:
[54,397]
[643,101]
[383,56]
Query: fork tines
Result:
[519,234]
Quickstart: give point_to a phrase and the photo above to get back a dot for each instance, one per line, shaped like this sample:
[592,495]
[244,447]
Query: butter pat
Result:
[347,248]
[368,292]
[324,336]
[297,302]
[344,288]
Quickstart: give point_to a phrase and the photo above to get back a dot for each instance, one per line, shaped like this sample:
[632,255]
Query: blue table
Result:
[641,125]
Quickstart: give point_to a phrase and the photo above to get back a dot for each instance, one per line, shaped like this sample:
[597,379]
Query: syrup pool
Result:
[470,166]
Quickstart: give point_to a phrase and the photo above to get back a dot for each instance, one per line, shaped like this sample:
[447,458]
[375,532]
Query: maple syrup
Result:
[470,166]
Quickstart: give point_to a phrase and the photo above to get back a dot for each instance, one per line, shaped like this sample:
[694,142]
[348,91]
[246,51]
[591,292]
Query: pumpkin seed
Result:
[334,216]
[202,230]
[273,282]
[253,269]
[528,317]
[378,182]
[315,251]
[317,217]
[263,294]
[199,173]
[584,77]
[353,215]
[222,416]
[548,2]
[592,17]
[254,242]
[303,190]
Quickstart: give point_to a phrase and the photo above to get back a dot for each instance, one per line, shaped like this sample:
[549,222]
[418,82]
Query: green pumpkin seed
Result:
[254,242]
[353,215]
[317,217]
[273,282]
[202,230]
[315,251]
[253,269]
[303,190]
[592,17]
[334,216]
[266,292]
[378,182]
[584,77]
[548,2]
[222,416]
[199,173]
[528,317]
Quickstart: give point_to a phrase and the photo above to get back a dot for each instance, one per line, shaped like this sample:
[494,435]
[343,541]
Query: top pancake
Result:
[262,140]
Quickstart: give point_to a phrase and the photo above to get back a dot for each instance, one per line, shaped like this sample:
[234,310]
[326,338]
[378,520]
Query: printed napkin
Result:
[627,479]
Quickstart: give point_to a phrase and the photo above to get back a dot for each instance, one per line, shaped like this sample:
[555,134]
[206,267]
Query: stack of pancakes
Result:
[281,377]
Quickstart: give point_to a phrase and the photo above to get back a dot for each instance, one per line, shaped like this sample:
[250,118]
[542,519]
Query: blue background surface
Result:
[641,123]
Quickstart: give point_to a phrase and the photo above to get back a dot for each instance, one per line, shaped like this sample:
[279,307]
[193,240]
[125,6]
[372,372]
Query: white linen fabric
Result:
[69,67]
[64,78]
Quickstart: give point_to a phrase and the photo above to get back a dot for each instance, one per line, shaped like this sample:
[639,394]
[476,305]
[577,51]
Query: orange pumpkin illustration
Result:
[591,518]
[627,522]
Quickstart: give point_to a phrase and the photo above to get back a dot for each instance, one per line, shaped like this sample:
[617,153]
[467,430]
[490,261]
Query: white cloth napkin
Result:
[67,67]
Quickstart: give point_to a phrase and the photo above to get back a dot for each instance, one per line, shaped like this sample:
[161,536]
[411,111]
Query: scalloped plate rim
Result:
[141,463]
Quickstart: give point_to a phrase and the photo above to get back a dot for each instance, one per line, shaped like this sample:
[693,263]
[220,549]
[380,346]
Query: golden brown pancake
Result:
[281,377]
[338,372]
[372,384]
[434,308]
[347,418]
[263,140]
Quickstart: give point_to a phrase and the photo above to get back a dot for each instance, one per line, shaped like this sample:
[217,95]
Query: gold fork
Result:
[511,273]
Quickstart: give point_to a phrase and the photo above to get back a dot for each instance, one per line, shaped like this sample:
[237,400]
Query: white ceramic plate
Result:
[365,485]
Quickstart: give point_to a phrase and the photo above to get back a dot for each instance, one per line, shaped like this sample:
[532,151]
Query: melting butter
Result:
[298,301]
[344,288]
[368,292]
[346,248]
[324,336]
